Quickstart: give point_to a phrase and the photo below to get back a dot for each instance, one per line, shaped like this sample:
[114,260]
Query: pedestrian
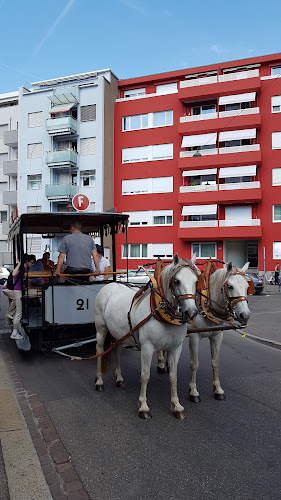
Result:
[77,248]
[104,266]
[276,273]
[279,282]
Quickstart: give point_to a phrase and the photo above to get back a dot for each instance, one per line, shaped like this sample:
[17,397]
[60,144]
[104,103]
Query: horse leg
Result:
[100,336]
[160,361]
[173,359]
[215,343]
[118,375]
[194,340]
[146,357]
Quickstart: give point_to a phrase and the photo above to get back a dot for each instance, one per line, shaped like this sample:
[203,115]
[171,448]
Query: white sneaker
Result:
[16,336]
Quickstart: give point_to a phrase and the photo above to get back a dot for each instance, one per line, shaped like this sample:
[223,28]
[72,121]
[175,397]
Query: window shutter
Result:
[33,245]
[276,176]
[167,88]
[33,209]
[162,249]
[276,140]
[63,178]
[162,184]
[35,119]
[34,150]
[88,146]
[88,113]
[238,213]
[135,154]
[161,151]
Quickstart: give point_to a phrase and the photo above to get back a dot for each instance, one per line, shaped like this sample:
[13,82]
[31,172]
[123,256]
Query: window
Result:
[134,93]
[237,142]
[203,110]
[88,146]
[204,250]
[167,88]
[162,250]
[33,209]
[88,178]
[146,186]
[237,105]
[276,140]
[234,180]
[35,119]
[276,177]
[3,217]
[276,104]
[276,70]
[35,150]
[203,217]
[34,181]
[88,113]
[148,120]
[33,245]
[150,217]
[135,122]
[162,118]
[277,250]
[162,220]
[134,250]
[276,213]
[147,153]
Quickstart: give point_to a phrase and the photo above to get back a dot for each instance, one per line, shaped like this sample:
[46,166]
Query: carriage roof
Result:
[59,222]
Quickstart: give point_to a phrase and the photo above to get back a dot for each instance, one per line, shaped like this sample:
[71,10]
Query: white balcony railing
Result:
[198,223]
[239,222]
[239,75]
[197,118]
[203,152]
[239,112]
[240,185]
[239,149]
[200,187]
[199,81]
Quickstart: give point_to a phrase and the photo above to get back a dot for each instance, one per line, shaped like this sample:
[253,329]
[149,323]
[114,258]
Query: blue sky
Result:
[50,38]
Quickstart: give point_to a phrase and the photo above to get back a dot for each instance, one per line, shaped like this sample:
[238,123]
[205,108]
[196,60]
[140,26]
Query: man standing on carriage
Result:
[78,248]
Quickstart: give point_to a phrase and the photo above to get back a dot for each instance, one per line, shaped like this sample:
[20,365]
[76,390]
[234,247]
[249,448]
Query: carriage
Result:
[60,311]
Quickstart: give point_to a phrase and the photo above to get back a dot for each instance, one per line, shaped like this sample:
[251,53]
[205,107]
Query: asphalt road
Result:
[223,450]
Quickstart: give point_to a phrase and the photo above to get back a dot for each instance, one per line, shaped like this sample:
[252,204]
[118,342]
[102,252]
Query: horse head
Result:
[234,288]
[179,285]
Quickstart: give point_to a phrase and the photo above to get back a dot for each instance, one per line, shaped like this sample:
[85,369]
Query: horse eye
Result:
[177,282]
[230,287]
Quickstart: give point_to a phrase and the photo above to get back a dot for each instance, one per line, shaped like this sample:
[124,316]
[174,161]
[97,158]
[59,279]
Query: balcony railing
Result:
[61,126]
[199,81]
[200,187]
[10,167]
[215,151]
[239,112]
[60,191]
[67,156]
[11,138]
[239,222]
[239,185]
[238,75]
[9,197]
[198,223]
[197,118]
[203,152]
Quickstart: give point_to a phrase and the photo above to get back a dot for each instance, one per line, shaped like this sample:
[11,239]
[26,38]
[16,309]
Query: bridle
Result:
[172,284]
[231,301]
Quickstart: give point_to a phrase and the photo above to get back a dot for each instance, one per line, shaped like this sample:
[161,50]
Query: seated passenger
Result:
[47,264]
[104,265]
[37,266]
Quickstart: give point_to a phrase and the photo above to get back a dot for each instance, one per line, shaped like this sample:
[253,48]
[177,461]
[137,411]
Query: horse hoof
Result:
[144,415]
[194,399]
[120,384]
[180,415]
[220,397]
[160,370]
[100,388]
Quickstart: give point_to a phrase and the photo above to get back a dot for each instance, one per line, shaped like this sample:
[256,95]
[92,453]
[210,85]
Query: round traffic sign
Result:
[80,202]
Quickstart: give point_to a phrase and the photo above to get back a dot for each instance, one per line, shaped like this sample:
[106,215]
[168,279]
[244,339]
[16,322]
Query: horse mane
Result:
[166,272]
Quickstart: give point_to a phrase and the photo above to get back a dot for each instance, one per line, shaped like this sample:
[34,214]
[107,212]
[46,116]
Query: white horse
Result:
[228,295]
[115,303]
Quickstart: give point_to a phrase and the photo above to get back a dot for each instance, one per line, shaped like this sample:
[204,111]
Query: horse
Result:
[227,297]
[119,307]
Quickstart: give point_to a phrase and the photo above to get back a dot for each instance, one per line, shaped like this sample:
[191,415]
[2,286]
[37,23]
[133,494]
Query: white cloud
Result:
[133,5]
[218,50]
[53,26]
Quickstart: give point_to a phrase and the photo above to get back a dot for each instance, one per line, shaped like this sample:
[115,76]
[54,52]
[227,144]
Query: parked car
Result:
[258,282]
[137,276]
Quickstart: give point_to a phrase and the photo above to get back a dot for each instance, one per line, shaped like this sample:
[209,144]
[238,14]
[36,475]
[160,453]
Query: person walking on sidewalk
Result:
[276,273]
[279,282]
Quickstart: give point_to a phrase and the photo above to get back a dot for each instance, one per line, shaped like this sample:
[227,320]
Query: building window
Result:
[276,70]
[203,110]
[87,178]
[276,213]
[148,120]
[162,250]
[135,122]
[237,105]
[146,186]
[167,88]
[276,177]
[33,209]
[134,93]
[163,118]
[3,217]
[35,119]
[276,140]
[88,113]
[34,181]
[33,245]
[88,146]
[150,218]
[276,104]
[162,220]
[35,150]
[238,142]
[134,251]
[147,153]
[204,250]
[277,249]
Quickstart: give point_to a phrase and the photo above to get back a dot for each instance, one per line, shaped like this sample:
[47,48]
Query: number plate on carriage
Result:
[70,305]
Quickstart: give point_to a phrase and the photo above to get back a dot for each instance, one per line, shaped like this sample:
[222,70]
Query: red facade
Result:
[223,201]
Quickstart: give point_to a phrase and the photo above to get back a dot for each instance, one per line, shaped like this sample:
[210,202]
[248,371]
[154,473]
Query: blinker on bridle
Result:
[233,300]
[172,281]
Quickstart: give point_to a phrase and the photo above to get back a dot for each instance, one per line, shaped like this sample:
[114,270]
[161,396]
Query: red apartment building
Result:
[198,163]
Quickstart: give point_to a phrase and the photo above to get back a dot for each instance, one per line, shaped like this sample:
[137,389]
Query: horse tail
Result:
[105,360]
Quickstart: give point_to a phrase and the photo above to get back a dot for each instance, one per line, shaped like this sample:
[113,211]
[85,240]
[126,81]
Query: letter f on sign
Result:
[80,200]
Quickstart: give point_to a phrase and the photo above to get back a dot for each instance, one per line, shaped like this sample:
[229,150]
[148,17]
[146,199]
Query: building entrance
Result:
[240,252]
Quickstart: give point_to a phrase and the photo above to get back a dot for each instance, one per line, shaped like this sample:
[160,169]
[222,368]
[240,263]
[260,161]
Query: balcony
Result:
[237,155]
[9,197]
[65,157]
[5,228]
[216,86]
[66,125]
[215,122]
[223,230]
[241,192]
[60,191]
[11,138]
[10,167]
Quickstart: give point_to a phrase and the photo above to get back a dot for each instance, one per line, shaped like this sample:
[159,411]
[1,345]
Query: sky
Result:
[43,39]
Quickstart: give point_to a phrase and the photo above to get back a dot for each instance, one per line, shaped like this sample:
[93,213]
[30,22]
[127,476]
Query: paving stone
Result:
[69,475]
[48,468]
[44,459]
[44,422]
[78,495]
[39,442]
[50,433]
[65,466]
[61,457]
[55,489]
[73,486]
[39,411]
[51,477]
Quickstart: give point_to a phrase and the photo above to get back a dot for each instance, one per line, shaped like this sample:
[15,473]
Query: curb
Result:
[54,462]
[261,340]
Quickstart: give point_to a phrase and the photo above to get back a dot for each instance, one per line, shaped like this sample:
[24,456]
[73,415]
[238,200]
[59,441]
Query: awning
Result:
[193,173]
[199,210]
[61,108]
[249,170]
[234,135]
[189,141]
[232,99]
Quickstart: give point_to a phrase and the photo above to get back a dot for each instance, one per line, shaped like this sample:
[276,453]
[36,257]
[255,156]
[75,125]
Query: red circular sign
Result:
[80,202]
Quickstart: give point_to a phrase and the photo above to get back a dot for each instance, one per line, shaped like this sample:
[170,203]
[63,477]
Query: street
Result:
[223,450]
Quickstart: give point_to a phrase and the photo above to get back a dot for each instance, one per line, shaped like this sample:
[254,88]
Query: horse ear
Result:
[245,267]
[176,259]
[193,259]
[229,267]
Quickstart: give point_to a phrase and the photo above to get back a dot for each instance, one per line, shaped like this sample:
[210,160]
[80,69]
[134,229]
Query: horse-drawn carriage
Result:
[60,311]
